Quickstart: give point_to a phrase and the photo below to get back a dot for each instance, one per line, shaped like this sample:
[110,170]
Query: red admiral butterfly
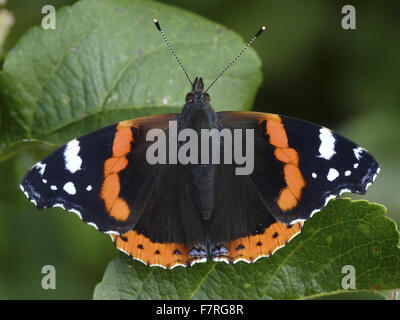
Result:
[179,214]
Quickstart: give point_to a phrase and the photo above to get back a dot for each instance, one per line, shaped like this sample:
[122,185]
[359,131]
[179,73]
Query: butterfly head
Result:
[197,112]
[197,94]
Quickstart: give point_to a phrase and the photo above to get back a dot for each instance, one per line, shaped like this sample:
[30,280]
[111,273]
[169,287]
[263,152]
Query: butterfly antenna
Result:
[172,50]
[261,30]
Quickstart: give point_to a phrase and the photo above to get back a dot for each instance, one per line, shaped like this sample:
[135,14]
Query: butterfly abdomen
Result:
[203,188]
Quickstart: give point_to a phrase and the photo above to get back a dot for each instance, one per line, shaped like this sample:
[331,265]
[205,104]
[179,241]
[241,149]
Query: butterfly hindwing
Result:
[299,166]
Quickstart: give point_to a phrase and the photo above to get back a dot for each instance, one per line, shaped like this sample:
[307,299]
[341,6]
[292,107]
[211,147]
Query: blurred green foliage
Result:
[347,80]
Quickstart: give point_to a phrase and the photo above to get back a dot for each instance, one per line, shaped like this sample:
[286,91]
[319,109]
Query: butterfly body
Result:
[197,114]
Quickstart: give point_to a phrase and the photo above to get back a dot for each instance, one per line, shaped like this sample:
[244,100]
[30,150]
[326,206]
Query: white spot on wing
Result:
[373,178]
[89,188]
[76,212]
[72,161]
[200,260]
[93,225]
[355,165]
[332,174]
[23,190]
[314,175]
[41,167]
[69,188]
[221,259]
[376,174]
[347,173]
[357,152]
[53,187]
[327,146]
[44,181]
[112,232]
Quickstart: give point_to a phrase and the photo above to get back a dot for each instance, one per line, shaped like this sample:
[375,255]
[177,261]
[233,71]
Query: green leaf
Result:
[106,62]
[346,232]
[6,23]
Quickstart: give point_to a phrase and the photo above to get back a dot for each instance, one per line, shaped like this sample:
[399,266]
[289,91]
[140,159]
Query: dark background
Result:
[347,80]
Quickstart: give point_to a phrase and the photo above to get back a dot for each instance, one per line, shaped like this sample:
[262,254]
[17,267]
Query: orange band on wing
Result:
[116,206]
[110,190]
[142,248]
[122,141]
[249,248]
[287,155]
[277,134]
[291,194]
[114,165]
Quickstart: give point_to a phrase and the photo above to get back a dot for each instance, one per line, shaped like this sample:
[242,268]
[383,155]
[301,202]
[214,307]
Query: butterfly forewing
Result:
[299,165]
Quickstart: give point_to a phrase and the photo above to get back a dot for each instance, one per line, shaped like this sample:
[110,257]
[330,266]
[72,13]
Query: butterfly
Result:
[121,180]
